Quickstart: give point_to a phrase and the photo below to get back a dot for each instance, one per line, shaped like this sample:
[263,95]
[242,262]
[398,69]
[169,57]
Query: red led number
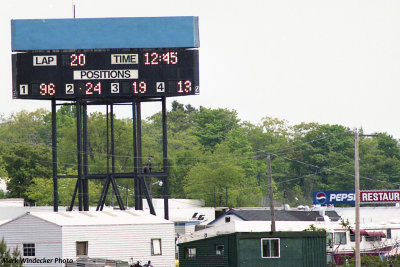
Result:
[173,59]
[78,60]
[47,89]
[139,88]
[151,58]
[156,58]
[184,86]
[93,88]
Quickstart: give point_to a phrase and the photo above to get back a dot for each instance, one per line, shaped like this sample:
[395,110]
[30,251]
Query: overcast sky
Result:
[335,62]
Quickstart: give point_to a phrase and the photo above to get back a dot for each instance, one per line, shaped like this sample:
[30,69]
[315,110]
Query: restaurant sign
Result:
[348,197]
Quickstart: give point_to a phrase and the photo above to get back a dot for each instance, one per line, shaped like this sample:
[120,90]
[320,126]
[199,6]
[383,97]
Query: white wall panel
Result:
[122,242]
[29,229]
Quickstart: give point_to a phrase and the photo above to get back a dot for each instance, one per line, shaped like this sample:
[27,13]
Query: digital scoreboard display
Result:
[111,74]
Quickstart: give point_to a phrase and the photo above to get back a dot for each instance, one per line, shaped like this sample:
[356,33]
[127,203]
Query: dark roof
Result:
[280,215]
[333,215]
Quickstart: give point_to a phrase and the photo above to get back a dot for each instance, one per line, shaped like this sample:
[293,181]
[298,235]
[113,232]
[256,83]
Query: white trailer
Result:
[54,238]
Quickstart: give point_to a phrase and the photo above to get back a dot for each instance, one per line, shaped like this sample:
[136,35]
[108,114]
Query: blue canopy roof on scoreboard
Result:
[104,33]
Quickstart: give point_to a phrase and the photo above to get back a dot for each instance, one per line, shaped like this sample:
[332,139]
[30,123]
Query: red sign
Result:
[380,196]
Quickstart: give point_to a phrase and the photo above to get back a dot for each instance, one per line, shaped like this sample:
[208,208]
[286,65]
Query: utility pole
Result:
[127,197]
[357,191]
[214,196]
[271,195]
[226,196]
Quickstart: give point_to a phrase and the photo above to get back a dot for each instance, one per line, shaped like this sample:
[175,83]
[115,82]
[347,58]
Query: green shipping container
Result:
[276,249]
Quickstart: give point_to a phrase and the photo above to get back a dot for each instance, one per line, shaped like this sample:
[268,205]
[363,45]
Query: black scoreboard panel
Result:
[114,74]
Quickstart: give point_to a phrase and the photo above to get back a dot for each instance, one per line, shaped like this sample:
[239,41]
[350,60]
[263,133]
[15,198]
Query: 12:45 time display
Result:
[156,58]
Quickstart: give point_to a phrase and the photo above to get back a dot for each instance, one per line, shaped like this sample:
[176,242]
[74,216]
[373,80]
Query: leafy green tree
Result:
[213,125]
[379,162]
[304,157]
[8,259]
[371,261]
[41,191]
[27,127]
[222,172]
[24,162]
[16,254]
[184,149]
[322,159]
[3,173]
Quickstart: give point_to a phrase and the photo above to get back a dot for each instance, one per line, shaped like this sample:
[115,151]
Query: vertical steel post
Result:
[135,163]
[108,157]
[139,152]
[71,205]
[85,160]
[165,157]
[113,182]
[54,153]
[79,152]
[112,138]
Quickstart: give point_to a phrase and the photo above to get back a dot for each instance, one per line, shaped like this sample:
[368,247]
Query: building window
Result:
[373,238]
[340,238]
[190,253]
[155,247]
[227,219]
[219,250]
[270,248]
[388,233]
[353,236]
[329,239]
[81,248]
[29,250]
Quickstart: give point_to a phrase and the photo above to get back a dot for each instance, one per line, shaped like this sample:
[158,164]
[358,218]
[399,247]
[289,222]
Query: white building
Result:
[183,210]
[118,235]
[3,185]
[11,202]
[379,227]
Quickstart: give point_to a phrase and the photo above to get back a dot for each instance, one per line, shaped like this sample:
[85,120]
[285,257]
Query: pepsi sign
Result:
[333,197]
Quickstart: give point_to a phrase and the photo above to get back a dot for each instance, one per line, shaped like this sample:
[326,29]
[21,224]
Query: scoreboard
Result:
[105,74]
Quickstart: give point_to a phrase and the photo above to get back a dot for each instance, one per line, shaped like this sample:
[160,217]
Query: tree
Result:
[323,157]
[23,162]
[222,172]
[379,162]
[41,191]
[8,259]
[213,125]
[28,127]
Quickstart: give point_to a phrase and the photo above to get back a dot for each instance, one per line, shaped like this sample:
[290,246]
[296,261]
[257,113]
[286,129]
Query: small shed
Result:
[56,238]
[256,249]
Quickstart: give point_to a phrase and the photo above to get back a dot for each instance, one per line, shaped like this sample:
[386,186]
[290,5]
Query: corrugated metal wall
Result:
[29,229]
[303,249]
[296,249]
[206,254]
[314,252]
